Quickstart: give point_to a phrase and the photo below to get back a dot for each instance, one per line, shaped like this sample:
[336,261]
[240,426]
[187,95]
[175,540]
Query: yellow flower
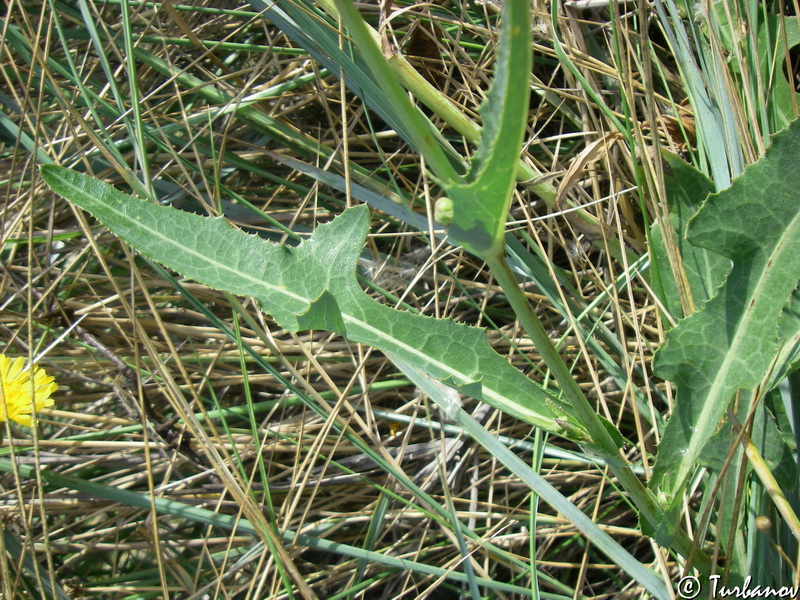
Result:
[15,390]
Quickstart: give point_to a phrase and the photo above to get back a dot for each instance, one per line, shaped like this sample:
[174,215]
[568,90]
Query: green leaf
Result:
[774,36]
[788,359]
[686,189]
[393,100]
[313,285]
[775,447]
[481,199]
[481,202]
[731,342]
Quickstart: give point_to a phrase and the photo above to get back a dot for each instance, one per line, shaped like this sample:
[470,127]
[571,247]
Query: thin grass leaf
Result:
[165,506]
[708,100]
[448,400]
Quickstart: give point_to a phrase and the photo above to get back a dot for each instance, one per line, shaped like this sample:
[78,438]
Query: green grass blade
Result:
[448,401]
[723,159]
[310,29]
[235,523]
[420,130]
[28,570]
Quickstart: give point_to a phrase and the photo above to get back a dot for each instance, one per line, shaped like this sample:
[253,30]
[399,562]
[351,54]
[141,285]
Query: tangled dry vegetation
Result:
[171,390]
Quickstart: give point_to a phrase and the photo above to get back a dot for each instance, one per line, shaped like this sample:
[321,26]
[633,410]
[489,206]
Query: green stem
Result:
[583,410]
[603,443]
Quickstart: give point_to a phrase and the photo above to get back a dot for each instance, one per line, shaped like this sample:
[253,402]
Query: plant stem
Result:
[650,511]
[535,330]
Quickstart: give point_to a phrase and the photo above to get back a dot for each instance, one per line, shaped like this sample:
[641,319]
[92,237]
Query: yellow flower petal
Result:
[16,387]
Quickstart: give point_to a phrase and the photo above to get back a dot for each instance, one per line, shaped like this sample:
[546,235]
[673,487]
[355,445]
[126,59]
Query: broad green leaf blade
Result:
[480,204]
[789,334]
[731,341]
[686,189]
[313,285]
